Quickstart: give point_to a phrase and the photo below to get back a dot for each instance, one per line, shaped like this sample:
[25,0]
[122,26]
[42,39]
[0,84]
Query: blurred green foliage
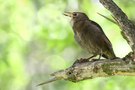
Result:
[36,40]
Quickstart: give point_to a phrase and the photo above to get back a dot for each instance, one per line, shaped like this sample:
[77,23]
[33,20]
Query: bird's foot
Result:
[81,60]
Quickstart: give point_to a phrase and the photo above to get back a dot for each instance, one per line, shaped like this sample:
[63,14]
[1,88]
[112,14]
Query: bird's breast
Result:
[77,31]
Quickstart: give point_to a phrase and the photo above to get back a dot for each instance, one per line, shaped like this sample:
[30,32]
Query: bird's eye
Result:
[75,14]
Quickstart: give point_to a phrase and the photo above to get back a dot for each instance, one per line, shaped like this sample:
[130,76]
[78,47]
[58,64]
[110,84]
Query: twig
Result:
[108,18]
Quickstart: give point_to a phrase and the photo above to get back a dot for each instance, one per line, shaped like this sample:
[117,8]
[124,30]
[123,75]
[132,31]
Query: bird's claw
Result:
[81,60]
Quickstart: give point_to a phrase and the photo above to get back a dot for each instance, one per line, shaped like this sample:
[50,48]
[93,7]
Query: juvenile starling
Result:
[90,36]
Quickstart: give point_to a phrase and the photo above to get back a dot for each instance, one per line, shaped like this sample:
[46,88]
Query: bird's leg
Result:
[100,55]
[91,57]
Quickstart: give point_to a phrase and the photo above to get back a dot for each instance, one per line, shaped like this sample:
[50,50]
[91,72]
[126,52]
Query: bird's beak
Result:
[69,14]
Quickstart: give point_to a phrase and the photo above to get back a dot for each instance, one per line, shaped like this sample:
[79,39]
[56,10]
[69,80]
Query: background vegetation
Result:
[36,39]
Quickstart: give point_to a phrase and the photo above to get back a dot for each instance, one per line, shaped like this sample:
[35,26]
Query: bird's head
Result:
[76,16]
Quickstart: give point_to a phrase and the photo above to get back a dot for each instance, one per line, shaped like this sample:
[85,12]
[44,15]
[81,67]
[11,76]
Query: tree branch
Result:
[127,26]
[96,68]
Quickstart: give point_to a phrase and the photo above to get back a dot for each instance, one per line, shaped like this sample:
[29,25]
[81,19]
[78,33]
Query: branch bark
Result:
[95,68]
[104,68]
[99,68]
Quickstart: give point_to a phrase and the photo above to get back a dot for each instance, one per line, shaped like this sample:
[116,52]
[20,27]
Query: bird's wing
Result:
[99,37]
[99,33]
[100,30]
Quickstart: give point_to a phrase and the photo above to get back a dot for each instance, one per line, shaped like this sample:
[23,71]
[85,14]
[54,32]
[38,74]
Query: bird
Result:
[90,36]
